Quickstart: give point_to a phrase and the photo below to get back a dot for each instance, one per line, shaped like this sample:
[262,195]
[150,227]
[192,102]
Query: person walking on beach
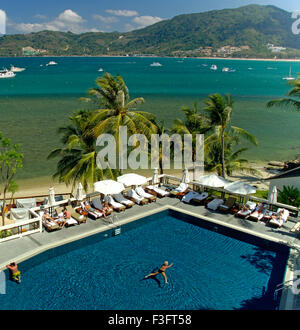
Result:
[161,271]
[15,273]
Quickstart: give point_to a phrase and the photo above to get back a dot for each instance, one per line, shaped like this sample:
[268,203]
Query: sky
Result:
[78,16]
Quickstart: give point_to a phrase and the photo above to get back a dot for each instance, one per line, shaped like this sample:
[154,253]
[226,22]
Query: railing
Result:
[169,179]
[20,229]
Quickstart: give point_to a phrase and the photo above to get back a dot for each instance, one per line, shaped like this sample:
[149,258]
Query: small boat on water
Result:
[100,70]
[4,73]
[155,64]
[289,77]
[51,63]
[16,69]
[214,67]
[225,70]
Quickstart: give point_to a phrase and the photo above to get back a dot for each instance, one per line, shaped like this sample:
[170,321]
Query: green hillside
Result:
[252,27]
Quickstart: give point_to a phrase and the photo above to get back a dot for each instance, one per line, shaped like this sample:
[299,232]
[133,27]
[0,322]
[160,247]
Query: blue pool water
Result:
[211,270]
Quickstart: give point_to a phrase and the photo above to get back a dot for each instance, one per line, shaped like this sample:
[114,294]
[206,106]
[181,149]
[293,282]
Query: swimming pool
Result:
[212,269]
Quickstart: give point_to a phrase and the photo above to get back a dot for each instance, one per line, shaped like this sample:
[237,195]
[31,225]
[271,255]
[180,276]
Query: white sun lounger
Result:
[279,222]
[258,215]
[214,204]
[244,214]
[194,195]
[121,199]
[137,199]
[115,205]
[158,191]
[141,192]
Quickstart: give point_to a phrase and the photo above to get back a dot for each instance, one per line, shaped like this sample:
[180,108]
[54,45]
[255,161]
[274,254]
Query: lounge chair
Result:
[97,204]
[193,196]
[181,190]
[157,191]
[68,222]
[247,209]
[279,220]
[141,192]
[121,199]
[132,195]
[258,213]
[228,205]
[51,226]
[115,205]
[214,204]
[90,211]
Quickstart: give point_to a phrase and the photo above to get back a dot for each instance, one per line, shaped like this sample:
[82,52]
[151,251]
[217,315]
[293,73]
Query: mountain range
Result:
[248,31]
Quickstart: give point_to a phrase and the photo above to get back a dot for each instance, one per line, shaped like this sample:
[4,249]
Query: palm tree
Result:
[118,110]
[78,155]
[291,96]
[194,123]
[233,162]
[219,109]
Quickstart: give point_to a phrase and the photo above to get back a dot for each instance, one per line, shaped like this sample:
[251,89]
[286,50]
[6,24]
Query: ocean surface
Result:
[39,100]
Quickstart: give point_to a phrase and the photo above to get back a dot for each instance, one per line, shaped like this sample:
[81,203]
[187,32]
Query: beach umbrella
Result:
[272,197]
[51,197]
[132,179]
[108,187]
[241,188]
[186,176]
[212,180]
[79,192]
[155,179]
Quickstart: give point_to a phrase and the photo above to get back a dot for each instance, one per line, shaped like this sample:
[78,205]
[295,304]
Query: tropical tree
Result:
[292,98]
[116,110]
[10,161]
[78,155]
[219,109]
[233,160]
[194,123]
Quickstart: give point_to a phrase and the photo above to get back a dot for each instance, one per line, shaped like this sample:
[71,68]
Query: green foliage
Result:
[10,161]
[289,195]
[251,25]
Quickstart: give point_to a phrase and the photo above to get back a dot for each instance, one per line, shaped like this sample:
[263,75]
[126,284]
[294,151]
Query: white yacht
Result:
[16,69]
[214,67]
[51,63]
[290,77]
[155,64]
[4,73]
[100,70]
[225,70]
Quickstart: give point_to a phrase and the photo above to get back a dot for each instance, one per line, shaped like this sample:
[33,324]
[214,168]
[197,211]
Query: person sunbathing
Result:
[88,208]
[106,210]
[278,216]
[161,271]
[245,208]
[260,208]
[15,273]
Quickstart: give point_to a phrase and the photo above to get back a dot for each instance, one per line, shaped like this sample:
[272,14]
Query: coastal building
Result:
[287,178]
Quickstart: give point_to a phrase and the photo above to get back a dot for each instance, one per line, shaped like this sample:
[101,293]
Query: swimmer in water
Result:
[161,271]
[15,273]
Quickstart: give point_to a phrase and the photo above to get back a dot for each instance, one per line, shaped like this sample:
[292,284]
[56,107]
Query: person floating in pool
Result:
[161,271]
[15,273]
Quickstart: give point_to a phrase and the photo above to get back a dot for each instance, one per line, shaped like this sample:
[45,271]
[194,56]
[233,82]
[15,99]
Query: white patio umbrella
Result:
[272,197]
[155,177]
[186,176]
[108,187]
[212,180]
[132,179]
[51,197]
[79,192]
[241,188]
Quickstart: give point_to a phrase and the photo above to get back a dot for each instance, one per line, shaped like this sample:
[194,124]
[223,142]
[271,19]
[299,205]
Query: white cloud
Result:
[66,21]
[143,21]
[106,19]
[124,12]
[39,16]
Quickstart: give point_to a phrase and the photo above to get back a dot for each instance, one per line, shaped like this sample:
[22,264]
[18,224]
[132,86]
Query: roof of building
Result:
[287,174]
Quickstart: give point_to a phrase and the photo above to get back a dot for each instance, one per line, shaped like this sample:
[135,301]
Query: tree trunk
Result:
[223,154]
[3,207]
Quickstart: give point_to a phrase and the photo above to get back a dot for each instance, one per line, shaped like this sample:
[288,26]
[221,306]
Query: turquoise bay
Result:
[39,100]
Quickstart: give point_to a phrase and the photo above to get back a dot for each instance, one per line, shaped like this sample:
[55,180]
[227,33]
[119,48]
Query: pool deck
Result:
[26,247]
